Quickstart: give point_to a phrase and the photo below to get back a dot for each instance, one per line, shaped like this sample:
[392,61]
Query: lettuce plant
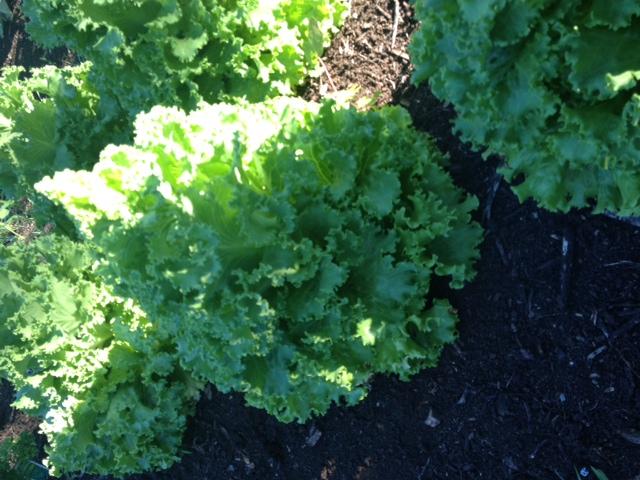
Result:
[146,52]
[179,52]
[287,247]
[551,86]
[49,121]
[102,376]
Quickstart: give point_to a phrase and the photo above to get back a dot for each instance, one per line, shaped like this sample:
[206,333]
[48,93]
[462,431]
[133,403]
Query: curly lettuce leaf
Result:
[550,86]
[287,246]
[104,379]
[180,52]
[50,120]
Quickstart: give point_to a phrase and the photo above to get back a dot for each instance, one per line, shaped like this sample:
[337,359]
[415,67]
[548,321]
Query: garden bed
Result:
[545,377]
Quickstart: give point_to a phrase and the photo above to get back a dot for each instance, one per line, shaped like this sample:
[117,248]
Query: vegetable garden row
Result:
[176,217]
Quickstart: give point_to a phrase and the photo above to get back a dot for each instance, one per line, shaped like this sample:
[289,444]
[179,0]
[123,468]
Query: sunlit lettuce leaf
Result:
[50,119]
[288,247]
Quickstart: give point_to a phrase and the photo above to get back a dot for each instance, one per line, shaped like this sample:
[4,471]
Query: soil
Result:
[544,379]
[369,54]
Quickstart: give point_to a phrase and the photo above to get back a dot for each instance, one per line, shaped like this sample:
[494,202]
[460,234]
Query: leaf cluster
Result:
[549,85]
[281,249]
[50,120]
[287,247]
[180,52]
[91,364]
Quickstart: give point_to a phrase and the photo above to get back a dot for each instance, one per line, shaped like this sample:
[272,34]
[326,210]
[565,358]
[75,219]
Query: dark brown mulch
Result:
[13,422]
[545,375]
[369,53]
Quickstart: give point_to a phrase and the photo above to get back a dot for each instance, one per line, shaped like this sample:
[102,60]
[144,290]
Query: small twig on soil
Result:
[567,260]
[610,338]
[396,19]
[595,353]
[401,55]
[538,447]
[326,71]
[623,262]
[493,190]
[383,12]
[39,465]
[502,253]
[423,469]
[633,437]
[621,330]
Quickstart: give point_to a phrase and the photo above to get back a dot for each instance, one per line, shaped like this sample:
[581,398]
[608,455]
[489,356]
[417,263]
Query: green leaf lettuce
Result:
[288,247]
[550,86]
